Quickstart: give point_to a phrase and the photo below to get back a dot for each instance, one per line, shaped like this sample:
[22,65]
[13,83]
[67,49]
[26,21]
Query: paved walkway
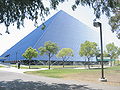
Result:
[15,79]
[13,69]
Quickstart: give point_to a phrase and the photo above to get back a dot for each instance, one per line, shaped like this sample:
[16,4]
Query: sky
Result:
[83,14]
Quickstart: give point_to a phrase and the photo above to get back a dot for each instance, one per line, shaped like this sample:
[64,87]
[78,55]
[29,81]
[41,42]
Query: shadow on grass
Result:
[30,85]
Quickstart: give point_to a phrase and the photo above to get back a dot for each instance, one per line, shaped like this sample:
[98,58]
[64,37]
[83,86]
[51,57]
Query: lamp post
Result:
[98,24]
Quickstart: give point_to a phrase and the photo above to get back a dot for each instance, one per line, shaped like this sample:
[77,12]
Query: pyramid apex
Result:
[61,11]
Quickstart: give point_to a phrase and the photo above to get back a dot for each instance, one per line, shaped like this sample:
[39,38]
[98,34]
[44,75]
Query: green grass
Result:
[92,75]
[22,67]
[60,73]
[39,66]
[1,66]
[14,66]
[114,68]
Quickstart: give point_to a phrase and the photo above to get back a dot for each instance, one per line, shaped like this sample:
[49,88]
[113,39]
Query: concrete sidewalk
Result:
[13,69]
[18,81]
[11,76]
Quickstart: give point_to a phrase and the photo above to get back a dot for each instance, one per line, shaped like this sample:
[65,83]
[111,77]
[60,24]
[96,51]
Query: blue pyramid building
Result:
[62,29]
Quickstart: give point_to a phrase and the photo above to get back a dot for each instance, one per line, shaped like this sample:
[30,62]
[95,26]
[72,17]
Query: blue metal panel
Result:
[62,29]
[15,52]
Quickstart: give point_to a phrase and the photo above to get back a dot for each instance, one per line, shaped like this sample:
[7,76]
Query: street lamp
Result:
[98,24]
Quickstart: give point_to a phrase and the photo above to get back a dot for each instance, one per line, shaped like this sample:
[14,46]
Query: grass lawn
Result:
[22,67]
[1,66]
[114,68]
[92,75]
[59,73]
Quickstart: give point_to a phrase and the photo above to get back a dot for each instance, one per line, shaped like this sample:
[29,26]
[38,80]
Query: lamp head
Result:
[96,24]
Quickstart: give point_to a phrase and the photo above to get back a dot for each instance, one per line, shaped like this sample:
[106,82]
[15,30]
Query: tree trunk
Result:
[29,63]
[49,61]
[63,63]
[85,63]
[118,62]
[111,62]
[88,63]
[114,63]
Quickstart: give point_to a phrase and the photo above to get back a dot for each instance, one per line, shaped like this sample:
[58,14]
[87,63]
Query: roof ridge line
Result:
[46,30]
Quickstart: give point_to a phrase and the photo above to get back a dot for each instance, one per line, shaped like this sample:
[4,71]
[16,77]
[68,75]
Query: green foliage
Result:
[118,51]
[42,50]
[112,50]
[99,6]
[43,26]
[65,53]
[30,53]
[114,21]
[15,11]
[49,48]
[88,49]
[105,54]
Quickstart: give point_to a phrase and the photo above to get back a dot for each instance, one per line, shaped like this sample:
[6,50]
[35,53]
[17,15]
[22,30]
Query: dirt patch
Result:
[112,77]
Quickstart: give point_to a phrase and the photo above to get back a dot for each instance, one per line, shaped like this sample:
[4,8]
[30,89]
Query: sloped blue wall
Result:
[62,29]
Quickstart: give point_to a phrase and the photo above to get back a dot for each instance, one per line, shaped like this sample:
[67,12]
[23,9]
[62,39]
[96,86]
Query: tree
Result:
[118,52]
[118,55]
[114,22]
[29,54]
[65,54]
[112,50]
[50,49]
[105,54]
[15,11]
[88,49]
